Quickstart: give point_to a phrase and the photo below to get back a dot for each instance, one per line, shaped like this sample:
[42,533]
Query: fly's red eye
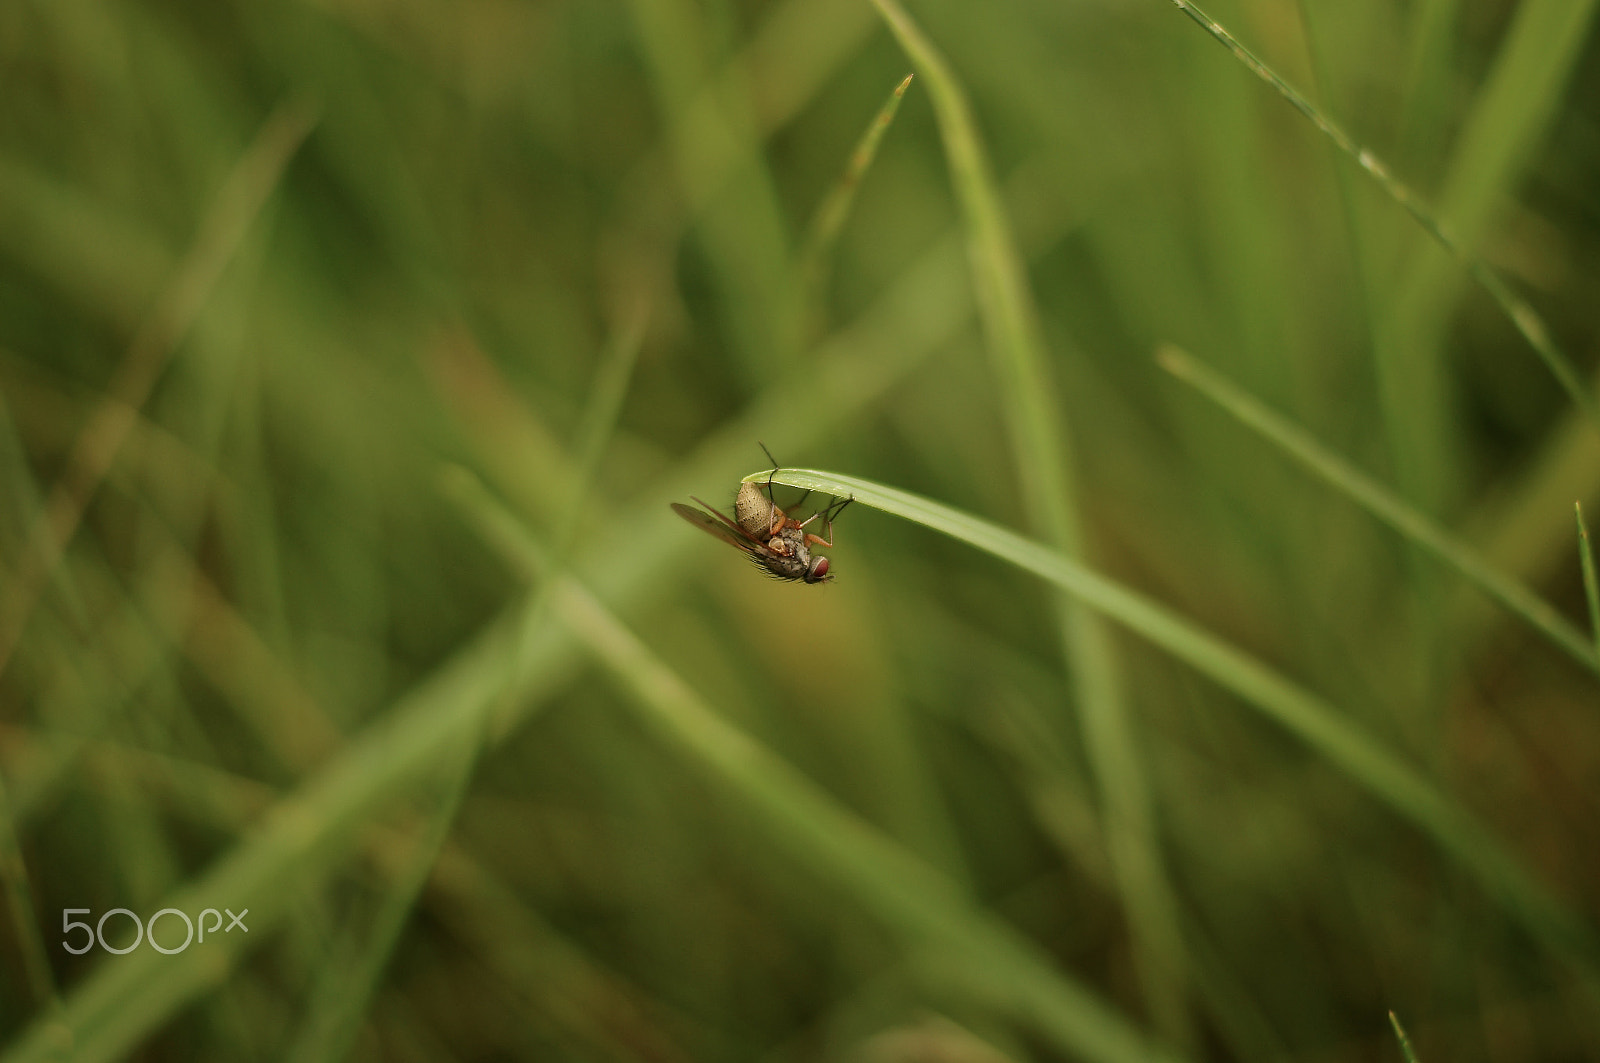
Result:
[820,570]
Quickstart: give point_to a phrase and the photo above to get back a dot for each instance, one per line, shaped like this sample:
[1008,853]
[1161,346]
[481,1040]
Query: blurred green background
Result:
[351,352]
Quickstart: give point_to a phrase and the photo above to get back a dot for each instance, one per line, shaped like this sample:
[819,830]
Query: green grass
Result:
[1591,586]
[1389,508]
[1319,725]
[349,359]
[1400,1035]
[1045,475]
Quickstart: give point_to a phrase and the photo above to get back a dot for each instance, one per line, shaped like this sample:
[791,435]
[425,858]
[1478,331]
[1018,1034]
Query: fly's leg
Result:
[771,474]
[770,497]
[827,516]
[813,539]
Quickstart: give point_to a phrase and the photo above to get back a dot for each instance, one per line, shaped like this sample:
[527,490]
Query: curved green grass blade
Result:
[1382,503]
[1310,718]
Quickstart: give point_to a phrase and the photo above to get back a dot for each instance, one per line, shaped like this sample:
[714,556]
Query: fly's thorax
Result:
[755,512]
[788,556]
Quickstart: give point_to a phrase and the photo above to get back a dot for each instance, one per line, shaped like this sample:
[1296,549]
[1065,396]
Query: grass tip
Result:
[1174,359]
[1400,1035]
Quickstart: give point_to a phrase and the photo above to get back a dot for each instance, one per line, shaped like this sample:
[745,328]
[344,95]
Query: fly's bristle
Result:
[779,576]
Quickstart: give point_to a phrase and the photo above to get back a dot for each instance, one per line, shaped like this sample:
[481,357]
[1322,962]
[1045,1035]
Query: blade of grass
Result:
[823,234]
[1423,117]
[1409,404]
[1307,716]
[18,509]
[600,414]
[1591,589]
[1523,529]
[1569,21]
[1041,452]
[1381,503]
[1005,305]
[14,881]
[1400,1035]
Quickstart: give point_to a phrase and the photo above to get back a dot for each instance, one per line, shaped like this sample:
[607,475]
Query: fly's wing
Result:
[716,524]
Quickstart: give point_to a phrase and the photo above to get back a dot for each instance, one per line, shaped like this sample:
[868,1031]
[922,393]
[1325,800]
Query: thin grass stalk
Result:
[822,235]
[1418,681]
[1591,587]
[1041,453]
[345,991]
[1382,503]
[1400,1035]
[599,421]
[1521,314]
[1429,33]
[14,880]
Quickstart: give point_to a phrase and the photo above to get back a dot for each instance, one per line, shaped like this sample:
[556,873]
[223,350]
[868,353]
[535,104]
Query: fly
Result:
[776,541]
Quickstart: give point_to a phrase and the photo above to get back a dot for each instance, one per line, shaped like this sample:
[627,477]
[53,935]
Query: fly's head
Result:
[788,556]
